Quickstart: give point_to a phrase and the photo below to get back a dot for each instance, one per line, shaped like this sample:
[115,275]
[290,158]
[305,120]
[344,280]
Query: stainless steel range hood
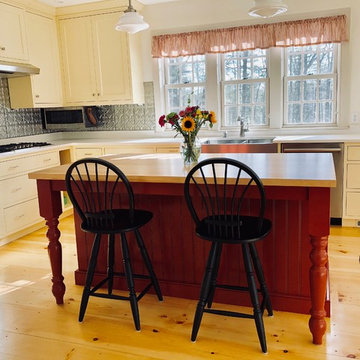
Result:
[12,69]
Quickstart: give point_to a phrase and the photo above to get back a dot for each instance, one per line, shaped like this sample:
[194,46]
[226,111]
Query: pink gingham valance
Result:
[331,29]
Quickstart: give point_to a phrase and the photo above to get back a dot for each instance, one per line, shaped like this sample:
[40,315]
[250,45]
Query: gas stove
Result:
[22,145]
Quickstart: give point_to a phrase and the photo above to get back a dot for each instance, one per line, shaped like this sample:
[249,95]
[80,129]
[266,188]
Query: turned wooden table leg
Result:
[319,227]
[318,282]
[50,209]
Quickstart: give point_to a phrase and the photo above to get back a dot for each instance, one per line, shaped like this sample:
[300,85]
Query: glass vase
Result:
[190,151]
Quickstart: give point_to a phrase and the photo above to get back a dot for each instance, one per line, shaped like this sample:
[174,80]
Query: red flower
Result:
[182,113]
[162,120]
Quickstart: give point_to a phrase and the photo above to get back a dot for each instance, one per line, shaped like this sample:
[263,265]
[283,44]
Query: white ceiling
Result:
[60,3]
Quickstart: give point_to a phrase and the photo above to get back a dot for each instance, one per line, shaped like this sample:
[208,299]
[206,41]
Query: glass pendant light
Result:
[131,21]
[268,8]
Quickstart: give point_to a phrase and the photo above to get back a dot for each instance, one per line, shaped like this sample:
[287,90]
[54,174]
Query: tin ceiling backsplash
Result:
[26,122]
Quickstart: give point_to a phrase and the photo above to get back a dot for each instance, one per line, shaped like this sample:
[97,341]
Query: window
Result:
[275,88]
[185,78]
[244,87]
[310,85]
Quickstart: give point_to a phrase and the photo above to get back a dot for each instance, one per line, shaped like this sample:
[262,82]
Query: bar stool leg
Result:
[254,297]
[110,269]
[214,277]
[130,281]
[89,276]
[205,288]
[148,264]
[261,278]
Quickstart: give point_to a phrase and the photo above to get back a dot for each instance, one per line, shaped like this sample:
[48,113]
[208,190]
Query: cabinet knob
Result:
[37,96]
[2,48]
[98,94]
[94,94]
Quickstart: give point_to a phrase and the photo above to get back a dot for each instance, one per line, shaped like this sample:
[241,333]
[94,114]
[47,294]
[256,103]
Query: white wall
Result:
[190,15]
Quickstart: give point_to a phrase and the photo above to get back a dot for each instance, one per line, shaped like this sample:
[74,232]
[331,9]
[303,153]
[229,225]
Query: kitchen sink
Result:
[238,141]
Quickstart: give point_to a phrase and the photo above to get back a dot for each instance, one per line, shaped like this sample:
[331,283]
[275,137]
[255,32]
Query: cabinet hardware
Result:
[2,48]
[37,96]
[19,217]
[16,190]
[94,94]
[13,167]
[98,94]
[48,159]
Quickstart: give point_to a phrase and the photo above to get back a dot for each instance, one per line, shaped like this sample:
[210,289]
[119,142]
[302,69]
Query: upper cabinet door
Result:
[43,53]
[78,60]
[112,63]
[12,34]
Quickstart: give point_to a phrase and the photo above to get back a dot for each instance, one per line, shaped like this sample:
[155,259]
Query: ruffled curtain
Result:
[289,33]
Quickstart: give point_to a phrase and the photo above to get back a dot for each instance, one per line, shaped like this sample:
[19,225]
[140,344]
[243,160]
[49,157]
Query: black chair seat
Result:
[242,229]
[116,221]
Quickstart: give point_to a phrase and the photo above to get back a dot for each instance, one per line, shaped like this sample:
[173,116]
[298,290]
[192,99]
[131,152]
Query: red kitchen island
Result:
[294,255]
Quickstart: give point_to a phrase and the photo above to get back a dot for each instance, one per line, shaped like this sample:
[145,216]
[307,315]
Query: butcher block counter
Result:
[294,254]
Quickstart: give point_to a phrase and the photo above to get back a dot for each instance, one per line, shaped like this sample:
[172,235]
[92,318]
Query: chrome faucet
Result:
[243,126]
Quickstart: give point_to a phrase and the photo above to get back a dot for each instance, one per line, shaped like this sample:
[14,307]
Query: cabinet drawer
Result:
[14,167]
[353,204]
[353,153]
[131,149]
[353,176]
[87,152]
[21,215]
[44,160]
[17,189]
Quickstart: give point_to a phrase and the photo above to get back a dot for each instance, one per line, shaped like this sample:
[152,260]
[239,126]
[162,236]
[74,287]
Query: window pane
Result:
[186,73]
[245,113]
[174,98]
[259,115]
[230,94]
[294,93]
[294,114]
[231,69]
[231,115]
[199,96]
[199,72]
[244,94]
[185,94]
[326,63]
[310,64]
[309,113]
[294,65]
[259,68]
[174,74]
[326,89]
[259,93]
[310,89]
[245,70]
[325,112]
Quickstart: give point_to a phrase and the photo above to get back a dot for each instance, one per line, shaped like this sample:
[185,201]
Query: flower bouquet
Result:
[188,123]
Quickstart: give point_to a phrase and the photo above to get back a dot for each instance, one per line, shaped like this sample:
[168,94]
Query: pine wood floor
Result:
[33,327]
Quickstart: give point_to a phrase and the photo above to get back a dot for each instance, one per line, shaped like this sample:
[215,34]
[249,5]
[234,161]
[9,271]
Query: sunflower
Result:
[188,124]
[212,117]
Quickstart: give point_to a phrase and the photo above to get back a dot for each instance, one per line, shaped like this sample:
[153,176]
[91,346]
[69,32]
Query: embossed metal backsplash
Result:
[26,122]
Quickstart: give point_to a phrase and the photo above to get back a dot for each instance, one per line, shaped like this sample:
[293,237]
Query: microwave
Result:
[70,118]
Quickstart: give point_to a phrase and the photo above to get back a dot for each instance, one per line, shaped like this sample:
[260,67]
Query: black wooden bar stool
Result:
[215,192]
[103,197]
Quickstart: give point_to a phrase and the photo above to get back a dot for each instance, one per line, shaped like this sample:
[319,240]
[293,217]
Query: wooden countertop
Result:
[309,170]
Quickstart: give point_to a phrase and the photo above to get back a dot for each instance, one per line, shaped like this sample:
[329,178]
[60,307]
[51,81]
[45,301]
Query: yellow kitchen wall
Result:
[192,15]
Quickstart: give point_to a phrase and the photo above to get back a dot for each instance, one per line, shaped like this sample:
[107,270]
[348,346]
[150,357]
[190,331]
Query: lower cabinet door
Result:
[21,215]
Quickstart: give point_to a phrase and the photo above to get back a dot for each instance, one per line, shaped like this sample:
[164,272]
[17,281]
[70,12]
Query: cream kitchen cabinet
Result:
[351,205]
[100,65]
[18,195]
[130,149]
[85,152]
[44,89]
[13,45]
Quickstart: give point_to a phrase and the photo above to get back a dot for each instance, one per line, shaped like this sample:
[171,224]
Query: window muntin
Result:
[310,85]
[185,78]
[245,87]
